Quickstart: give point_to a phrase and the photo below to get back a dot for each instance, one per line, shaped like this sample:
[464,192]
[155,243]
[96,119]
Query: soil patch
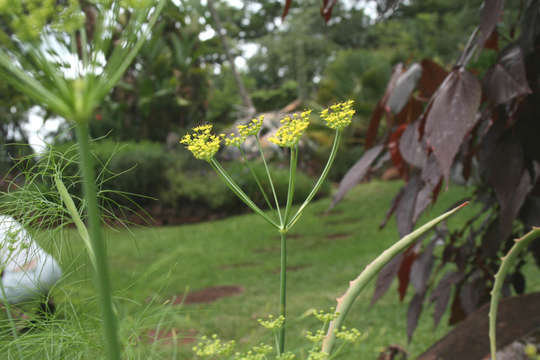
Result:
[208,295]
[292,268]
[238,265]
[338,236]
[167,337]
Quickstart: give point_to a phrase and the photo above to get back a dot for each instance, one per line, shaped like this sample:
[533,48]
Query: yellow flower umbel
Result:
[338,116]
[292,129]
[252,128]
[202,143]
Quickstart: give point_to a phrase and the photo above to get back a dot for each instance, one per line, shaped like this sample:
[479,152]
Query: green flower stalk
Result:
[204,145]
[26,63]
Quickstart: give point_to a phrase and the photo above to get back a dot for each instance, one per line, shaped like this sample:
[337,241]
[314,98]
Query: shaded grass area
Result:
[154,268]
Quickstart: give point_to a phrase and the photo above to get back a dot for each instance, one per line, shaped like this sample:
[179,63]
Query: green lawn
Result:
[150,266]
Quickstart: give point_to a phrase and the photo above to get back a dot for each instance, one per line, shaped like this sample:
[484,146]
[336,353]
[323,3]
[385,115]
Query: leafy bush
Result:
[201,190]
[127,167]
[274,99]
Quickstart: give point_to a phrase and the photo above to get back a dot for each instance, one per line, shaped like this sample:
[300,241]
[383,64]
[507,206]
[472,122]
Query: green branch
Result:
[239,192]
[344,303]
[319,182]
[507,261]
[72,210]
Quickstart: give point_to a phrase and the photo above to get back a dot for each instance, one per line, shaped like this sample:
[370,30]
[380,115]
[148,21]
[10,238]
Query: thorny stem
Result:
[110,325]
[344,303]
[319,182]
[507,261]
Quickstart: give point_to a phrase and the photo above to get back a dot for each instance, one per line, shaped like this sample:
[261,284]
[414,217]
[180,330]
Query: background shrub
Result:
[202,190]
[133,168]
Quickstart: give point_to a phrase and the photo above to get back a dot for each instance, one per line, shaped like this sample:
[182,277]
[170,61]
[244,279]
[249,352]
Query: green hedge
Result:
[151,175]
[203,189]
[131,168]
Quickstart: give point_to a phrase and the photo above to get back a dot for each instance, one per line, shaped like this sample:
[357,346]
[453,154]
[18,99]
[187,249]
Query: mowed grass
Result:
[151,267]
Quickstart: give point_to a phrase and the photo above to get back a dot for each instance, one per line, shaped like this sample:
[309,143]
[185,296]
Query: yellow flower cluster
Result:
[202,143]
[325,317]
[317,337]
[351,335]
[252,128]
[256,353]
[292,129]
[213,347]
[272,323]
[338,116]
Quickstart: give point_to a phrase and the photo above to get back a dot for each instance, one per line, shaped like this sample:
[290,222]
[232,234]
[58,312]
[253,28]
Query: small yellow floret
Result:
[292,129]
[315,338]
[202,143]
[213,347]
[338,116]
[251,128]
[325,317]
[351,335]
[272,323]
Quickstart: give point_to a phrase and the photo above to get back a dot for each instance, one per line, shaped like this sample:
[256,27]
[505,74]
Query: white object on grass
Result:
[28,271]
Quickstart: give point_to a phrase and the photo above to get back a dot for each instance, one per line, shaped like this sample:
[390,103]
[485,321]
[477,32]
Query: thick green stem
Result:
[110,325]
[345,302]
[283,292]
[72,210]
[270,180]
[507,261]
[236,189]
[320,181]
[292,180]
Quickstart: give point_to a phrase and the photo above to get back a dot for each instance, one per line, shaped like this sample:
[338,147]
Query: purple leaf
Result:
[431,176]
[356,173]
[490,16]
[421,269]
[507,79]
[404,272]
[413,313]
[395,202]
[472,293]
[412,149]
[452,116]
[405,208]
[511,182]
[386,276]
[441,294]
[432,77]
[405,84]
